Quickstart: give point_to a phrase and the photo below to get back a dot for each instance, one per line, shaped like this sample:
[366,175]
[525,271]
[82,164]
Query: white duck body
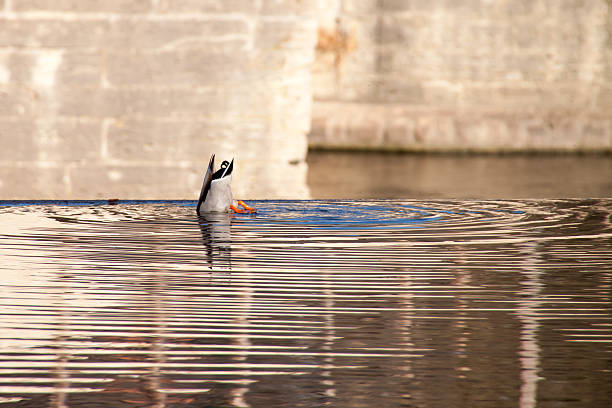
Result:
[219,197]
[216,194]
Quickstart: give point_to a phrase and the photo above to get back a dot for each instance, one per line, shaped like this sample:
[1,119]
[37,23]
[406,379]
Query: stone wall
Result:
[128,98]
[504,75]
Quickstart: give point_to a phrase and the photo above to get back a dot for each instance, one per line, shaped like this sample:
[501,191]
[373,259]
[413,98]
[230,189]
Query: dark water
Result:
[458,176]
[307,304]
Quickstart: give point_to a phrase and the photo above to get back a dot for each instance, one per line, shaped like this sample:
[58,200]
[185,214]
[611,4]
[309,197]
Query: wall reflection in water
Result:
[351,303]
[458,176]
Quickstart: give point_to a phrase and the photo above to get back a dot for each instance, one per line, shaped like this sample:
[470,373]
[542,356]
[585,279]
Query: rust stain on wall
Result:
[337,42]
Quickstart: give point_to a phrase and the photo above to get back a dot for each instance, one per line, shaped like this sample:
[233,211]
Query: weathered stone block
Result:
[52,33]
[275,63]
[484,134]
[414,127]
[166,34]
[176,68]
[396,30]
[90,6]
[204,139]
[80,68]
[49,140]
[317,136]
[524,67]
[526,36]
[326,88]
[140,34]
[17,141]
[359,8]
[394,89]
[436,133]
[539,133]
[211,6]
[299,34]
[604,100]
[400,133]
[397,5]
[17,101]
[69,140]
[518,9]
[596,135]
[170,141]
[354,86]
[288,7]
[178,140]
[490,97]
[215,104]
[130,140]
[88,101]
[33,182]
[54,67]
[441,94]
[292,94]
[130,181]
[364,133]
[18,67]
[28,67]
[450,6]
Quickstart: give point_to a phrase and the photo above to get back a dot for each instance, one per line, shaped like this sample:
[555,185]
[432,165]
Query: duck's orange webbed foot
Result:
[247,209]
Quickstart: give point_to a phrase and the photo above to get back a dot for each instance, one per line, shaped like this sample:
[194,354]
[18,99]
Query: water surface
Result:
[458,176]
[307,303]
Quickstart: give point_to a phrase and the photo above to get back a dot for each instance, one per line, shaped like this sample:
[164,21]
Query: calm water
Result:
[458,176]
[307,304]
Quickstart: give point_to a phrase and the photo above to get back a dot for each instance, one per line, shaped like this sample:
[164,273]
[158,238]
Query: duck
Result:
[216,193]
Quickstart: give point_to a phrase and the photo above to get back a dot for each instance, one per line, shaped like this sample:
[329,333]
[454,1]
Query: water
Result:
[453,176]
[306,304]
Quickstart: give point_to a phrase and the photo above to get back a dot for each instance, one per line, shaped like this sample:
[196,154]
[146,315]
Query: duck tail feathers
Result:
[206,183]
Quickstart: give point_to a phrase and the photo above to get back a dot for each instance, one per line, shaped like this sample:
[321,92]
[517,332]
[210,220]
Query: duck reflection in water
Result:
[216,234]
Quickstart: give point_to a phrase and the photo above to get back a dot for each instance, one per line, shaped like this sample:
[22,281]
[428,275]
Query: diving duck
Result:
[216,194]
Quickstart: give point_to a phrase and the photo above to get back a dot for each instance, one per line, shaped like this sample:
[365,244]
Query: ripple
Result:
[305,303]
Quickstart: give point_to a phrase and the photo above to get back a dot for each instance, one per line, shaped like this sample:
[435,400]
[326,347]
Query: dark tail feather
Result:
[206,183]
